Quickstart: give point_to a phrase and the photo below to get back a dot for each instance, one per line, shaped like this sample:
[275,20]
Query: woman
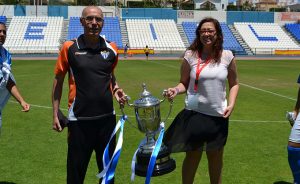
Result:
[203,124]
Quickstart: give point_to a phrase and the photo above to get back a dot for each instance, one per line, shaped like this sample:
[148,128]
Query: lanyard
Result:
[199,69]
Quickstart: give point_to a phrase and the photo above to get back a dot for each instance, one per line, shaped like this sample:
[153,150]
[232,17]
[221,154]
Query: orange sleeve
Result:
[62,64]
[114,46]
[62,67]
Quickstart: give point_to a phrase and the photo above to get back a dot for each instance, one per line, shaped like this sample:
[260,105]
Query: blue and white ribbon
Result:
[109,165]
[153,157]
[134,159]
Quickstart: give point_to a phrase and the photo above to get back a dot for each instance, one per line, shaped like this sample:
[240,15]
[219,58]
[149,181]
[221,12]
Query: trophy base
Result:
[164,164]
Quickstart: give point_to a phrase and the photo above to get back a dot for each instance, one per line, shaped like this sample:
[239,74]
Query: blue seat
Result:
[229,43]
[3,19]
[111,29]
[294,29]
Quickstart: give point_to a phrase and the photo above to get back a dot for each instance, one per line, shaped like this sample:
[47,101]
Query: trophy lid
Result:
[146,100]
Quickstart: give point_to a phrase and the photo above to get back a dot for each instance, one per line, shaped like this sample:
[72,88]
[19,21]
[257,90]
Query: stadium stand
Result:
[39,35]
[162,29]
[230,42]
[27,34]
[111,30]
[265,38]
[189,29]
[294,29]
[158,34]
[75,28]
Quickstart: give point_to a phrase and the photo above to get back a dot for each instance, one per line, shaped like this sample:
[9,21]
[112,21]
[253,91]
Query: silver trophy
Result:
[147,113]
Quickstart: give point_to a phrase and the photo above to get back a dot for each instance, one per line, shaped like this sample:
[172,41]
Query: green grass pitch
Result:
[32,153]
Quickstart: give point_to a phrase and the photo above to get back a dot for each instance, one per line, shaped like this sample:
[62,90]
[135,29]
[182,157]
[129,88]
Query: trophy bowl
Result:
[147,114]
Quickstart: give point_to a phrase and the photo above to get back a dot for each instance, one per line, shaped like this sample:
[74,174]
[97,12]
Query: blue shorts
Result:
[0,122]
[295,132]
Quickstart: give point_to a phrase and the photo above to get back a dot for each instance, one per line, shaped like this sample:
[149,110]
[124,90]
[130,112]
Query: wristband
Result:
[177,90]
[115,90]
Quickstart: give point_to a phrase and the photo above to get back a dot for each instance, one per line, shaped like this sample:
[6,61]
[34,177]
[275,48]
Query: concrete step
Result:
[240,40]
[182,35]
[124,33]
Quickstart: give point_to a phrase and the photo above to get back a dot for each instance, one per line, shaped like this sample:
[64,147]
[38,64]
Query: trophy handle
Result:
[127,100]
[122,110]
[171,104]
[164,93]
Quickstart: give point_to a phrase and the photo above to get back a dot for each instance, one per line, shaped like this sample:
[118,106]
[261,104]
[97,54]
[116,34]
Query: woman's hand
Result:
[172,93]
[228,111]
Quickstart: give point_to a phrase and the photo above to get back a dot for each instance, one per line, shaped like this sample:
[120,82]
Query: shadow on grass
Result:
[276,182]
[7,182]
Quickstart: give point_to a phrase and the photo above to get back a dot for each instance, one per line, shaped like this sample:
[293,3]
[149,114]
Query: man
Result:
[126,50]
[294,142]
[146,50]
[7,82]
[90,61]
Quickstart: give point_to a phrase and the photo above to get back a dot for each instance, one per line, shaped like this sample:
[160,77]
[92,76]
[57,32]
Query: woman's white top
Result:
[210,97]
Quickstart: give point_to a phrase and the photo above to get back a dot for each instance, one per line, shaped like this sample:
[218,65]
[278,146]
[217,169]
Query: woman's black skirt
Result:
[193,131]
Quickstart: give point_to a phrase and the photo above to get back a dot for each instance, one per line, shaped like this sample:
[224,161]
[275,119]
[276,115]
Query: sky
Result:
[232,1]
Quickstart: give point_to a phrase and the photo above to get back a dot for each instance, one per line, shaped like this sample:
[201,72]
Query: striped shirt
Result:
[5,57]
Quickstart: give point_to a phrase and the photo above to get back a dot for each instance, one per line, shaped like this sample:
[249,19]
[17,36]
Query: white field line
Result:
[38,106]
[26,75]
[234,120]
[163,64]
[270,92]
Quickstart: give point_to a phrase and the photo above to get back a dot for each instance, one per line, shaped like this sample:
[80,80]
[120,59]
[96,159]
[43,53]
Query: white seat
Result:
[165,30]
[18,27]
[265,30]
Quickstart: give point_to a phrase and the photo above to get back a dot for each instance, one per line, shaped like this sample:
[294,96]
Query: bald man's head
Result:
[91,8]
[92,21]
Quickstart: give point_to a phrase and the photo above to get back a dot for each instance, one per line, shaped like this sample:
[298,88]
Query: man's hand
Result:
[56,125]
[120,96]
[60,121]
